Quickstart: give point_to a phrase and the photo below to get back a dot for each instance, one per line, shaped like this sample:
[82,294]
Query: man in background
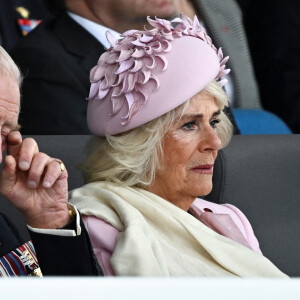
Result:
[57,56]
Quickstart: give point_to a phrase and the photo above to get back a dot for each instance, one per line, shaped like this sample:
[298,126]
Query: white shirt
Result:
[61,232]
[96,30]
[229,88]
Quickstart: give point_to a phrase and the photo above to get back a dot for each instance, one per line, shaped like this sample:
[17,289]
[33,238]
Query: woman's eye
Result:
[214,123]
[190,126]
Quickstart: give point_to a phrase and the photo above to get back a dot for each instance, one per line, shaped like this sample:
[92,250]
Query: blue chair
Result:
[258,121]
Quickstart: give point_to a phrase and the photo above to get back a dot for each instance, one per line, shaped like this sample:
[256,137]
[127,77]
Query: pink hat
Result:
[148,73]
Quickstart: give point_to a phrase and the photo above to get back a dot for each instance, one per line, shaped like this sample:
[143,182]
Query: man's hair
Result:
[133,157]
[9,68]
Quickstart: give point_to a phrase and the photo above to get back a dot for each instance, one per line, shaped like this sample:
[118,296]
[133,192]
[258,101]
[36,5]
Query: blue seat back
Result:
[257,121]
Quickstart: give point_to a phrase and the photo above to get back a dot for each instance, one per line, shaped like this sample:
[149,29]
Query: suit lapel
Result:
[78,42]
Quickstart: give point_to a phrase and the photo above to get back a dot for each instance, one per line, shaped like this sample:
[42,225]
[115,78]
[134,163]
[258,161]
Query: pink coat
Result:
[225,219]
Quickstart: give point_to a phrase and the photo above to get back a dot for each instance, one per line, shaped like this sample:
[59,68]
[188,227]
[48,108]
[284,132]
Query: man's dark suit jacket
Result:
[60,255]
[10,31]
[55,59]
[10,238]
[57,255]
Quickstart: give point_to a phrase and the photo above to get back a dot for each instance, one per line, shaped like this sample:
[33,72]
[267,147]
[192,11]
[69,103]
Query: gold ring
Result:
[61,164]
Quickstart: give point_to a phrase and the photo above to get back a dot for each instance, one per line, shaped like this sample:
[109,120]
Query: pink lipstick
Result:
[204,169]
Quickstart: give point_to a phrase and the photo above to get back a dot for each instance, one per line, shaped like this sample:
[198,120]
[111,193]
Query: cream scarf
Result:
[159,239]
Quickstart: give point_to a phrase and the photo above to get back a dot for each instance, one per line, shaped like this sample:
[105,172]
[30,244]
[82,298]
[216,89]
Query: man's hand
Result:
[35,183]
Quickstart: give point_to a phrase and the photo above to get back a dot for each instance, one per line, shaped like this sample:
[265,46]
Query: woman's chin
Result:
[204,190]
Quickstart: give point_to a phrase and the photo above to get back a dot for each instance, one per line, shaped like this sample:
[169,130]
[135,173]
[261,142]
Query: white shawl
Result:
[159,239]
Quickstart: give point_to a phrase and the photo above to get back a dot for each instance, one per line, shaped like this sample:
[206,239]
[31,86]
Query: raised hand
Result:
[35,183]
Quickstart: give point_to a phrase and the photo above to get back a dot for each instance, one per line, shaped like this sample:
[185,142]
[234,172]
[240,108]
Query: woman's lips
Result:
[204,169]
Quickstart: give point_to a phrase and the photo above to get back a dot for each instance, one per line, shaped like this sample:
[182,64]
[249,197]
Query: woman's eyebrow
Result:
[216,113]
[200,116]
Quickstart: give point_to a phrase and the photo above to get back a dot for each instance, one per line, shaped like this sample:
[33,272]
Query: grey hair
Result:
[9,68]
[133,157]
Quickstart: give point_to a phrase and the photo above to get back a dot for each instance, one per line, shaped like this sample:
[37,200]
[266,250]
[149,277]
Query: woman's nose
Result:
[210,140]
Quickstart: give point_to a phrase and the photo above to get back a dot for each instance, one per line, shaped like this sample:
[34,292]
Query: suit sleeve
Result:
[68,256]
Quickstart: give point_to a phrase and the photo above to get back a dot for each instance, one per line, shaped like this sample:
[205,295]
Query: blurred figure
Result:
[57,57]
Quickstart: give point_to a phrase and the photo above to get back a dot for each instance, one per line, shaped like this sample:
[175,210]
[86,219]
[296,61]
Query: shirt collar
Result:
[95,29]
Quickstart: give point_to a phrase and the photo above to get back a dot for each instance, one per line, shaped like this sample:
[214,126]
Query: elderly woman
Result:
[156,106]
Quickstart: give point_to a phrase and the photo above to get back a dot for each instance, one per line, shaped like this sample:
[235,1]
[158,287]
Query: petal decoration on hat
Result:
[137,42]
[152,65]
[129,67]
[112,58]
[111,38]
[94,89]
[146,38]
[102,93]
[220,53]
[130,99]
[143,90]
[125,65]
[138,53]
[117,104]
[223,82]
[147,75]
[124,55]
[161,61]
[138,64]
[96,74]
[222,68]
[132,79]
[148,50]
[224,61]
[132,107]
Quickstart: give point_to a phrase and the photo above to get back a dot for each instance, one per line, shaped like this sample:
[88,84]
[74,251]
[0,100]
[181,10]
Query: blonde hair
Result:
[132,158]
[9,68]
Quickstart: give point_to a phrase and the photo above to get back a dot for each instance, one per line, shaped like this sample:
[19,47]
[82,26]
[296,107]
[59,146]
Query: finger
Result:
[37,169]
[55,170]
[27,151]
[64,172]
[14,141]
[8,174]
